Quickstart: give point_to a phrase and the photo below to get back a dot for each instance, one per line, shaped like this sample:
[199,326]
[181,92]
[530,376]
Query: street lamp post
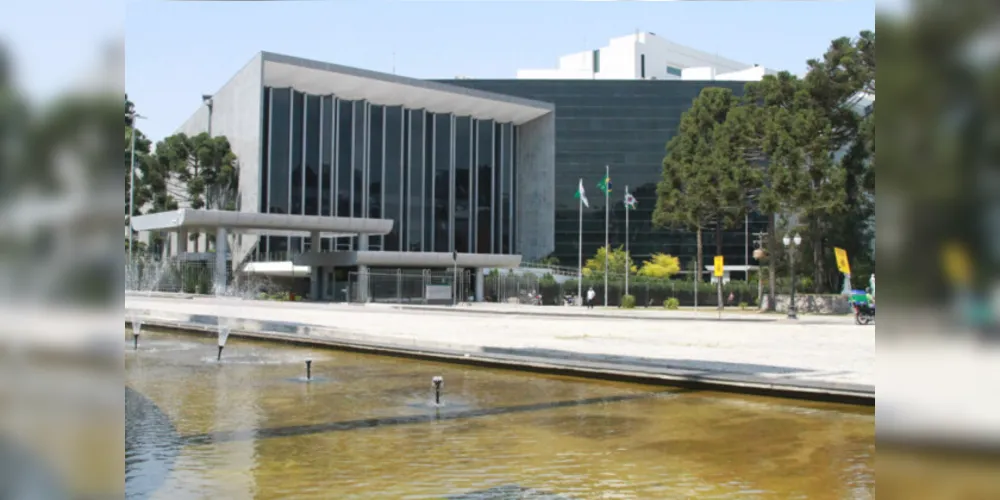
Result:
[792,244]
[454,278]
[131,185]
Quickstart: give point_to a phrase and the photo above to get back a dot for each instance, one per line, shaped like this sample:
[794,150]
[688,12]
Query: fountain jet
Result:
[437,382]
[223,336]
[136,327]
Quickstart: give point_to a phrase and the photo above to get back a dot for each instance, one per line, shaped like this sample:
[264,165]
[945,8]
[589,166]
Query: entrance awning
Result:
[251,222]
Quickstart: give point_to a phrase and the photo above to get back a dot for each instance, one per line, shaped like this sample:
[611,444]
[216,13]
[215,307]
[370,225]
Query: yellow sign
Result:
[957,264]
[842,263]
[718,266]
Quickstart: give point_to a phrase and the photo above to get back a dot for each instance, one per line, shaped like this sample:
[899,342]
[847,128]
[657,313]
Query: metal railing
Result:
[511,288]
[425,287]
[555,270]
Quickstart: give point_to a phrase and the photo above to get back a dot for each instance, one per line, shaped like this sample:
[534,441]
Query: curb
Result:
[545,314]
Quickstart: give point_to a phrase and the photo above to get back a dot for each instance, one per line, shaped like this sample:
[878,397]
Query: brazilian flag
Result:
[605,185]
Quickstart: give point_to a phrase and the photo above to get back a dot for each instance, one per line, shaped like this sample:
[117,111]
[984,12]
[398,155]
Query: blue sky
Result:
[177,51]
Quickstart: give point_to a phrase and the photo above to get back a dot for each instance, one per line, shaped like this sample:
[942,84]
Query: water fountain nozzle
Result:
[309,363]
[437,381]
[135,341]
[219,356]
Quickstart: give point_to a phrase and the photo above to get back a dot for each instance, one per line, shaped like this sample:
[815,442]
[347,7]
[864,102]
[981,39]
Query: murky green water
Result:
[366,428]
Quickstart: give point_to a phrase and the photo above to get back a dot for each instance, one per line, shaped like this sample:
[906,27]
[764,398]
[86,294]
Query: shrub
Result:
[744,306]
[204,284]
[628,302]
[672,303]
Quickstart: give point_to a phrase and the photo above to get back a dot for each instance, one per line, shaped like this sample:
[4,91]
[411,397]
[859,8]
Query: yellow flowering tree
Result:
[616,262]
[660,265]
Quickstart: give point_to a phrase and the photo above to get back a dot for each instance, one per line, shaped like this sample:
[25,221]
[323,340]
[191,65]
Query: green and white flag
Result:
[630,201]
[582,195]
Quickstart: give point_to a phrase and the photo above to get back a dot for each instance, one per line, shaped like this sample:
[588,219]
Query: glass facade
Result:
[446,181]
[624,124]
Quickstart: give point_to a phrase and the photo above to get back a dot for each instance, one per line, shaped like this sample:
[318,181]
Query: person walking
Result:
[591,294]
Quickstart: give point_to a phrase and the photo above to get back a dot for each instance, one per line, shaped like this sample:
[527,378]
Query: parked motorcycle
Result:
[864,308]
[864,314]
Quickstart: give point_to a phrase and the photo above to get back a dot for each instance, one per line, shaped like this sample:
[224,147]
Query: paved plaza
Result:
[816,352]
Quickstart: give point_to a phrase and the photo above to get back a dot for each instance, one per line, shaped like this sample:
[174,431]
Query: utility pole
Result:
[758,244]
[131,184]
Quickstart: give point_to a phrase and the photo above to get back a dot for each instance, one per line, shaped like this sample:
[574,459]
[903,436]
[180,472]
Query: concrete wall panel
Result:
[536,174]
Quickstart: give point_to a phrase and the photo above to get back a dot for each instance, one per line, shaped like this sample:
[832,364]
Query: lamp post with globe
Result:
[792,244]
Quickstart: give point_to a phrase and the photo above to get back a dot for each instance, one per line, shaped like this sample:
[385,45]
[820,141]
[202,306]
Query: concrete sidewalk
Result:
[652,313]
[830,358]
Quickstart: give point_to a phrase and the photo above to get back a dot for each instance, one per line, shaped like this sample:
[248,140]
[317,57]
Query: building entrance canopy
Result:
[273,224]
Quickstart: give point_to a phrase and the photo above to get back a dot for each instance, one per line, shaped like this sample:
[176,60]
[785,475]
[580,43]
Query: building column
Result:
[479,280]
[316,277]
[362,270]
[181,248]
[220,261]
[363,284]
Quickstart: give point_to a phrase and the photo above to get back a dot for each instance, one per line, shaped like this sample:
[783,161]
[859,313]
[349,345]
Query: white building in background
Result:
[645,56]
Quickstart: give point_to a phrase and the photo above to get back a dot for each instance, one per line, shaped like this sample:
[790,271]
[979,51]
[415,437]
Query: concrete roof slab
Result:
[321,78]
[249,222]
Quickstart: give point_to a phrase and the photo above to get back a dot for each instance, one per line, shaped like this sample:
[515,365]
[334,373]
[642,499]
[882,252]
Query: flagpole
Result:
[579,269]
[626,243]
[607,216]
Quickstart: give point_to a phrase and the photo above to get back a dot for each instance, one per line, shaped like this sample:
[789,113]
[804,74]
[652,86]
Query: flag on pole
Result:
[630,201]
[582,195]
[605,185]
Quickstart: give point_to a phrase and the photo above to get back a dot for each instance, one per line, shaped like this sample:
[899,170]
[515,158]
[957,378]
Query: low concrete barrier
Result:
[812,304]
[603,367]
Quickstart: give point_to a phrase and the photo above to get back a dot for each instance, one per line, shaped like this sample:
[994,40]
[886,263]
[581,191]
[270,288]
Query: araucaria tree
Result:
[800,148]
[696,188]
[208,168]
[151,173]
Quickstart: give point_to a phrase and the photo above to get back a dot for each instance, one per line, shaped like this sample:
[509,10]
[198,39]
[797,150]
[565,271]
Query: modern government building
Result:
[485,169]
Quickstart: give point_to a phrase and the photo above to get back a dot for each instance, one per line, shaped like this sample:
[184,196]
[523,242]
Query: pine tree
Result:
[693,191]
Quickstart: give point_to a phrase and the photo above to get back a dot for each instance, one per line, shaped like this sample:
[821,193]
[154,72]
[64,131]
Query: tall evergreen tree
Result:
[694,188]
[208,168]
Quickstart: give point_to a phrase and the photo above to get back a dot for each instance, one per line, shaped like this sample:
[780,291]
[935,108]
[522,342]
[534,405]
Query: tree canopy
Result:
[203,170]
[660,266]
[801,148]
[617,259]
[697,188]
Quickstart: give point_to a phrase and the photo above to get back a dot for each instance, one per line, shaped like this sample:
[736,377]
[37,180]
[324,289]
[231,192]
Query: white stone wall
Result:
[536,162]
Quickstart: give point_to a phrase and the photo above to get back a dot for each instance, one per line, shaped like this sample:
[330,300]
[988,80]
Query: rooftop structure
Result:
[646,56]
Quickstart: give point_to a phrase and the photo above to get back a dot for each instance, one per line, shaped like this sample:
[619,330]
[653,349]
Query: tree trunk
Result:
[700,259]
[772,246]
[819,271]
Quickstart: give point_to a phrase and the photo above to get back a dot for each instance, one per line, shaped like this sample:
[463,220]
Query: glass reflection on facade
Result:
[484,186]
[624,124]
[442,183]
[326,180]
[345,149]
[376,168]
[448,182]
[463,184]
[415,183]
[393,175]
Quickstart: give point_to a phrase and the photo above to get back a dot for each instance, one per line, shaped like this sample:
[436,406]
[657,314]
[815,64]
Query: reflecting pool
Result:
[367,427]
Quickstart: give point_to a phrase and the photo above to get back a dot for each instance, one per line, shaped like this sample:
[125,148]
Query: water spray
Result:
[223,336]
[136,327]
[437,382]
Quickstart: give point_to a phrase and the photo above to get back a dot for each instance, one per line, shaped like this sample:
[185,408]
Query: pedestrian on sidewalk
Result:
[591,294]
